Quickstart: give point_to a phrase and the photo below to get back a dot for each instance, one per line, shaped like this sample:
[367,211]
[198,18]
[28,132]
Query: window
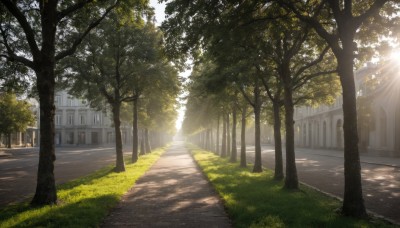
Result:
[82,119]
[57,100]
[58,119]
[70,119]
[96,119]
[70,138]
[70,101]
[81,137]
[383,128]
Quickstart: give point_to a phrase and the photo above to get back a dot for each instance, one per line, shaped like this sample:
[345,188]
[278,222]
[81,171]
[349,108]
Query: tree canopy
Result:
[15,115]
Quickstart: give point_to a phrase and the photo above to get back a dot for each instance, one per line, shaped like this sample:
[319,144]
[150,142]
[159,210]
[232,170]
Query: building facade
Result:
[78,124]
[378,107]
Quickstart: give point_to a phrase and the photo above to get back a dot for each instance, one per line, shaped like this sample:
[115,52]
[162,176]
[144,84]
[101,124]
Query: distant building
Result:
[75,124]
[78,124]
[378,104]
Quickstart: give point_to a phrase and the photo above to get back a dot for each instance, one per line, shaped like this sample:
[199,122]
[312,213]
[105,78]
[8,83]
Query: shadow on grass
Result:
[87,199]
[87,179]
[86,213]
[257,200]
[17,208]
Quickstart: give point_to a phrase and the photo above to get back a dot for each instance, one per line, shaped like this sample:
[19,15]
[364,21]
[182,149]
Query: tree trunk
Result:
[45,80]
[223,149]
[243,162]
[142,147]
[257,124]
[9,140]
[278,143]
[135,133]
[147,140]
[228,136]
[291,181]
[353,202]
[212,146]
[120,165]
[208,139]
[217,136]
[45,188]
[234,148]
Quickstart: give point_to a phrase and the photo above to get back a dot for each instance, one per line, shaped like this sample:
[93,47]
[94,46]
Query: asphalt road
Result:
[19,170]
[324,169]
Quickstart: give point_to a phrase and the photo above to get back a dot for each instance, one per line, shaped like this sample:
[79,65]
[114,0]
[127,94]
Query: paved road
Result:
[18,171]
[323,169]
[173,193]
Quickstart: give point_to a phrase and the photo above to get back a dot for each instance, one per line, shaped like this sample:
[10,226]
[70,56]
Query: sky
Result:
[160,16]
[159,10]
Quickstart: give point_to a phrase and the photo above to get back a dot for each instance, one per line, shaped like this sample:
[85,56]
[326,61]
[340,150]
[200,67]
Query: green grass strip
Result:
[256,200]
[84,202]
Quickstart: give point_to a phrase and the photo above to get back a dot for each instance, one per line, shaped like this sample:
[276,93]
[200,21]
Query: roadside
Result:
[256,200]
[324,170]
[84,201]
[18,168]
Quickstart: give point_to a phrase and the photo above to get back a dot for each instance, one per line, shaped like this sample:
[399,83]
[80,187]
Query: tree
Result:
[154,75]
[105,74]
[39,34]
[233,157]
[243,160]
[157,104]
[297,55]
[15,115]
[14,77]
[345,26]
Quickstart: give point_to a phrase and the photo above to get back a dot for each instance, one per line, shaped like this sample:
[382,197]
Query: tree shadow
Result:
[84,213]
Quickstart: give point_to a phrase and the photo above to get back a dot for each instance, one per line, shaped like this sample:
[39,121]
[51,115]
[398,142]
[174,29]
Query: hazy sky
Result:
[159,9]
[160,16]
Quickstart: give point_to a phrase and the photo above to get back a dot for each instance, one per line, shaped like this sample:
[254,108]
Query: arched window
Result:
[309,135]
[318,144]
[383,127]
[324,134]
[339,133]
[304,135]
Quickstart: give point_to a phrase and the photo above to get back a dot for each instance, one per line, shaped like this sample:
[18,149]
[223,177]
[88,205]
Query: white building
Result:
[78,124]
[378,104]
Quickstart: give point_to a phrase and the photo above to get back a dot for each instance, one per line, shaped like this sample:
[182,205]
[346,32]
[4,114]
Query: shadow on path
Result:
[173,193]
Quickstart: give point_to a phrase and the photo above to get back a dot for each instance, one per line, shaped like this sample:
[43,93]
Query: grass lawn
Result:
[256,200]
[84,202]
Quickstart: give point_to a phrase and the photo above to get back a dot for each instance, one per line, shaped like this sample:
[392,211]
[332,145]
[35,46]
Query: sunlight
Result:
[395,56]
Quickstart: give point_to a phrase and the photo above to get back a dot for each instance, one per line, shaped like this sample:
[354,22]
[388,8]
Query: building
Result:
[78,124]
[378,106]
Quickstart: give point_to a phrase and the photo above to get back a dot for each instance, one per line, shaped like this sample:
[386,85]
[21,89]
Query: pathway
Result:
[173,193]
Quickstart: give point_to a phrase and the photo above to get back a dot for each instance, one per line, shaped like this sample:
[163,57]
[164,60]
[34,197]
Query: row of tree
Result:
[123,62]
[288,51]
[106,51]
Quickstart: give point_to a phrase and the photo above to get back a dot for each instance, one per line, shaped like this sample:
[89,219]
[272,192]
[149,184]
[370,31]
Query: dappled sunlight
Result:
[174,190]
[307,162]
[256,200]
